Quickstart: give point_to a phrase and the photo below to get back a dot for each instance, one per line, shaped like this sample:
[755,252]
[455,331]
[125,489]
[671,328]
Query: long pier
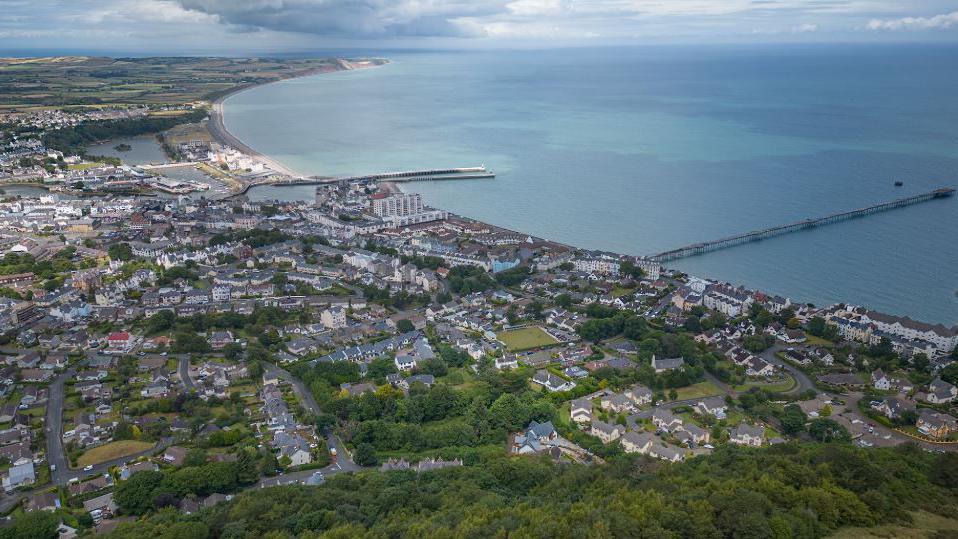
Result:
[758,235]
[462,173]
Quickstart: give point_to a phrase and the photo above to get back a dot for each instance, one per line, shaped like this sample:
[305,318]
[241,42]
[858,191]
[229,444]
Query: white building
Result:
[333,318]
[399,204]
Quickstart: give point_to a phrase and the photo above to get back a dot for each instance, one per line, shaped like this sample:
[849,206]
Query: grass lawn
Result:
[525,338]
[36,411]
[774,387]
[924,525]
[83,166]
[812,340]
[620,291]
[112,450]
[694,391]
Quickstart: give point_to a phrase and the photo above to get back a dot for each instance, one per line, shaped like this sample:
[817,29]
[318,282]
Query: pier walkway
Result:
[757,235]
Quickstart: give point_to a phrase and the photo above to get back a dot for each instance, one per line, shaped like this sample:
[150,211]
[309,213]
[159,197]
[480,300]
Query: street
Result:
[184,370]
[804,383]
[56,456]
[306,399]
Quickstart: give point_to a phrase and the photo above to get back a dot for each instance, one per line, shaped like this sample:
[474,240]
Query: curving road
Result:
[344,458]
[804,382]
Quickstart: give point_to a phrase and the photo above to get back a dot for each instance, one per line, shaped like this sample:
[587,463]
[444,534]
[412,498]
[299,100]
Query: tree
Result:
[828,430]
[792,419]
[534,310]
[816,326]
[160,322]
[365,455]
[563,300]
[121,251]
[32,525]
[950,373]
[135,495]
[233,351]
[405,326]
[629,269]
[123,431]
[196,457]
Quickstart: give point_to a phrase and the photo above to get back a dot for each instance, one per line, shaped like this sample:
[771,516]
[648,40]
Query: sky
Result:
[242,27]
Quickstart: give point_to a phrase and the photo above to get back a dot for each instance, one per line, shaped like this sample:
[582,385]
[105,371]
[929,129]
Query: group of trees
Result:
[74,139]
[607,322]
[791,490]
[465,280]
[148,490]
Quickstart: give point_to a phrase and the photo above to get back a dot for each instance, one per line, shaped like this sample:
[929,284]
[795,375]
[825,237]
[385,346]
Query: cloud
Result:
[946,20]
[352,18]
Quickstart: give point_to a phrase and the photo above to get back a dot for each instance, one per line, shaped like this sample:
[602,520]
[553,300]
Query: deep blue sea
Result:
[640,150]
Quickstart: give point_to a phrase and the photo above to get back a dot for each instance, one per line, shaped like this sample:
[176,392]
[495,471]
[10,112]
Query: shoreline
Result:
[395,187]
[220,134]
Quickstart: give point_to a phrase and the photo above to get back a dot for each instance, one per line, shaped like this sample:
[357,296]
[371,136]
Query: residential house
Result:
[507,361]
[581,410]
[175,455]
[880,381]
[893,407]
[936,424]
[745,434]
[667,364]
[606,432]
[639,395]
[19,475]
[615,402]
[43,501]
[552,382]
[940,392]
[664,419]
[713,406]
[637,442]
[666,452]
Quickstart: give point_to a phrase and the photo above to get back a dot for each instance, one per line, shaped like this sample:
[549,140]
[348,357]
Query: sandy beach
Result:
[221,134]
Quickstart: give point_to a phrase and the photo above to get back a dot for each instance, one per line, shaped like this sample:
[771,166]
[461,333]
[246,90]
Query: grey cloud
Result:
[352,18]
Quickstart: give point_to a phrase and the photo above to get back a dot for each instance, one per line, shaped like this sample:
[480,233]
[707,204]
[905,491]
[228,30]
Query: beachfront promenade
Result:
[805,224]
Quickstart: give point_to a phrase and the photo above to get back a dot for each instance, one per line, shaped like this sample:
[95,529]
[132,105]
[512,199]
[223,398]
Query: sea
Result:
[641,150]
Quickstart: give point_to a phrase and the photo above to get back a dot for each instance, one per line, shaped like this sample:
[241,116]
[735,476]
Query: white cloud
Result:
[946,20]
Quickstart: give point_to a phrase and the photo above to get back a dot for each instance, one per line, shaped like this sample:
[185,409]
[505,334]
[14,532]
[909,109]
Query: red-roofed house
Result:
[120,341]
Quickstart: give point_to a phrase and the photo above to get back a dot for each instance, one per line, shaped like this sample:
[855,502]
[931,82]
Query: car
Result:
[74,480]
[87,468]
[53,467]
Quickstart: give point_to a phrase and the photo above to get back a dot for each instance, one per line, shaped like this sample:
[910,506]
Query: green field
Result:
[775,387]
[112,450]
[525,338]
[694,391]
[84,81]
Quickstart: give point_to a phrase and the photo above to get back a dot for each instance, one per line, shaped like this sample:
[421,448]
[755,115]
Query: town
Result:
[172,339]
[257,343]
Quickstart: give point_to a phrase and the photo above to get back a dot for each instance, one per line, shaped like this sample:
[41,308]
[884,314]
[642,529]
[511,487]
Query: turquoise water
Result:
[644,150]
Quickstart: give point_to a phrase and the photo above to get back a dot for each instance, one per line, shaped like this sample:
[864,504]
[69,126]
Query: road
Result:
[184,370]
[306,399]
[804,382]
[56,456]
